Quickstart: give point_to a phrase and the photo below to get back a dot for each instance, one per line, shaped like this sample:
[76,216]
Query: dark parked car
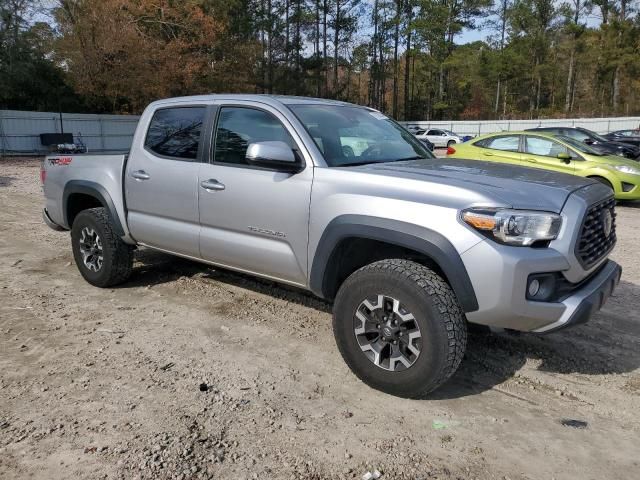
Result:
[631,137]
[598,142]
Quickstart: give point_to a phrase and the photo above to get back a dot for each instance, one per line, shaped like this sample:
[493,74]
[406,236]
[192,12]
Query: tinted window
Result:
[434,132]
[508,142]
[544,146]
[238,127]
[175,132]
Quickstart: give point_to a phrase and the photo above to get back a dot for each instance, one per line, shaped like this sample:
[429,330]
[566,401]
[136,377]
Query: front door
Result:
[543,152]
[161,181]
[254,219]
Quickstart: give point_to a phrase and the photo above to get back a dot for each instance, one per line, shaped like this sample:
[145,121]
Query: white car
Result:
[440,138]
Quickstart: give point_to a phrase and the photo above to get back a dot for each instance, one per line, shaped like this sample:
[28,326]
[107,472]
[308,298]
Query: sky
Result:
[469,36]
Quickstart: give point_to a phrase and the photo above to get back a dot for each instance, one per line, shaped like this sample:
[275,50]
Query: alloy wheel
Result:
[387,333]
[91,249]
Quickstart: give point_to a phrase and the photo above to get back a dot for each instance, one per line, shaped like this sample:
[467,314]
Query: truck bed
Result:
[65,175]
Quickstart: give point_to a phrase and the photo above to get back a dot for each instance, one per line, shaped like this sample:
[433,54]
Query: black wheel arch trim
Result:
[95,190]
[426,241]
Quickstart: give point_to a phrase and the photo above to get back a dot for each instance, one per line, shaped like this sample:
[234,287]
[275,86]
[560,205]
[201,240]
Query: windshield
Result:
[597,137]
[580,146]
[349,136]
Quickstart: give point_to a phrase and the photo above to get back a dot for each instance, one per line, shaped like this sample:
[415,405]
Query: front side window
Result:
[176,132]
[435,132]
[238,127]
[545,147]
[509,143]
[349,135]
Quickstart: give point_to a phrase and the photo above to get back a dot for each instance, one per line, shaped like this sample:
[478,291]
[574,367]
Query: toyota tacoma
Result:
[340,200]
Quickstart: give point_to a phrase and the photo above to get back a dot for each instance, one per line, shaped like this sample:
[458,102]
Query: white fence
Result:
[20,131]
[479,127]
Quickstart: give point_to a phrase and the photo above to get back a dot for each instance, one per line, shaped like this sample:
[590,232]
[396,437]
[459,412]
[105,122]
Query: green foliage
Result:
[540,58]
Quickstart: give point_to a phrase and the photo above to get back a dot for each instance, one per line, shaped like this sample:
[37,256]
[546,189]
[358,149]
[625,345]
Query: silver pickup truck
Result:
[340,200]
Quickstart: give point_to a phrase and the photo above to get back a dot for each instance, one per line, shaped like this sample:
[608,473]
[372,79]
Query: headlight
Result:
[627,169]
[514,227]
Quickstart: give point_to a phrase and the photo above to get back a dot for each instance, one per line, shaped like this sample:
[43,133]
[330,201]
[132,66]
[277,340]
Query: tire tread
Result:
[443,299]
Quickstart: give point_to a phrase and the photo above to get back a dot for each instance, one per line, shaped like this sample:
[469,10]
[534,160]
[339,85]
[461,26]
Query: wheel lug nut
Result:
[378,326]
[399,334]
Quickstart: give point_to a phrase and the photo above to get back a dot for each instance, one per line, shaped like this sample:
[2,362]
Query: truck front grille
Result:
[598,233]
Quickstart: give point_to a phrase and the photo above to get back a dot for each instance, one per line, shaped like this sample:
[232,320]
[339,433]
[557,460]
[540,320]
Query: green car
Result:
[557,153]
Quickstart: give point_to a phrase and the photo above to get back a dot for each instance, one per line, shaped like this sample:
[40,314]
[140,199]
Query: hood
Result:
[614,146]
[614,160]
[513,185]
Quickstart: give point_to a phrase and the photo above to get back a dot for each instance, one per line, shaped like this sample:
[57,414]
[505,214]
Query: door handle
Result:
[140,175]
[212,184]
[488,154]
[531,160]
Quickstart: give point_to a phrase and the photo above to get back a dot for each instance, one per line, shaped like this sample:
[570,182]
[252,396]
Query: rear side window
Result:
[509,143]
[176,132]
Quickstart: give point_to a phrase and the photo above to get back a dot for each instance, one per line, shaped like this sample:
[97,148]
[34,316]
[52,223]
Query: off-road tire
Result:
[433,304]
[117,256]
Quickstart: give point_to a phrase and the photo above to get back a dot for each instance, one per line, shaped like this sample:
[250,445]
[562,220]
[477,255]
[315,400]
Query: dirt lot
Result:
[109,383]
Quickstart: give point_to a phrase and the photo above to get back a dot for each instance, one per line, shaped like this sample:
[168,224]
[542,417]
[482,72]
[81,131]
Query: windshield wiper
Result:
[416,157]
[368,162]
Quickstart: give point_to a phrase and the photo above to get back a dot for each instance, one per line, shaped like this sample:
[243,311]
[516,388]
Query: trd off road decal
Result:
[60,161]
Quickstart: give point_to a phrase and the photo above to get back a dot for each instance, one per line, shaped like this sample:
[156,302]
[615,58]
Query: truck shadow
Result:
[608,344]
[155,268]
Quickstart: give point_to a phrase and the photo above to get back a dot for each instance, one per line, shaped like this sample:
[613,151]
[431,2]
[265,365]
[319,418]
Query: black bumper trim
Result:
[596,299]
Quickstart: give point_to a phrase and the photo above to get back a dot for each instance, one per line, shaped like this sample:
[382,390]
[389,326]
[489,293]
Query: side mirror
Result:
[276,155]
[565,157]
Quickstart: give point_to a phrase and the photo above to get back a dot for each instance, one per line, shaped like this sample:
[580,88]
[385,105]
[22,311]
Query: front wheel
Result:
[399,327]
[103,259]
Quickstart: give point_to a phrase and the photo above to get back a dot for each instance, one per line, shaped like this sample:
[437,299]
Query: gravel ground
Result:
[193,372]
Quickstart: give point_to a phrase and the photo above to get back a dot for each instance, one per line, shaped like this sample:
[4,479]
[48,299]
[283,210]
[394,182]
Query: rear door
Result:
[254,219]
[502,148]
[543,152]
[161,180]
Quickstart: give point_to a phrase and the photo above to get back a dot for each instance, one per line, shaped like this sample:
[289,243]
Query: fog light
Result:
[534,287]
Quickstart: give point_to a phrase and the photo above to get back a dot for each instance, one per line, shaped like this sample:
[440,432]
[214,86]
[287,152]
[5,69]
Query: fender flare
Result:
[99,193]
[426,241]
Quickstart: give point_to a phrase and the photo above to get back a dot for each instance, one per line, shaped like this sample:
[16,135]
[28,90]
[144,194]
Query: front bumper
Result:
[499,275]
[582,304]
[50,223]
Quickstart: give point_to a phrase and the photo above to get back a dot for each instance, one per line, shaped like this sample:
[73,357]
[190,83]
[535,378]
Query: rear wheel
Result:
[451,143]
[102,257]
[399,327]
